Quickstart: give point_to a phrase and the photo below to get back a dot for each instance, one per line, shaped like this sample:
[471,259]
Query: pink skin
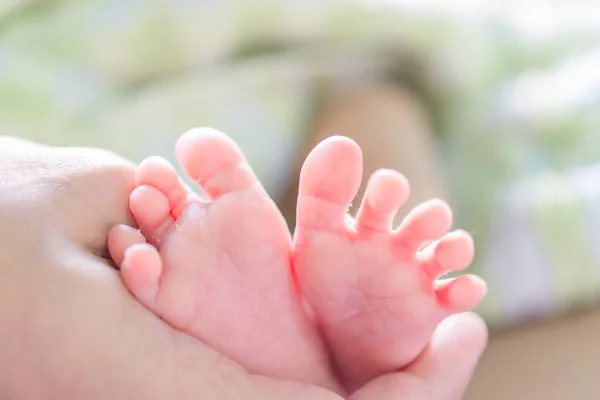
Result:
[71,331]
[219,270]
[372,289]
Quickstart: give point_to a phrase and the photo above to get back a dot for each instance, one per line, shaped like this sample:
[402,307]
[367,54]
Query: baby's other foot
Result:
[220,269]
[372,289]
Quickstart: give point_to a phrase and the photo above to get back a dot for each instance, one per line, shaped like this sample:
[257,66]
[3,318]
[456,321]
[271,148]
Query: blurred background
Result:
[492,105]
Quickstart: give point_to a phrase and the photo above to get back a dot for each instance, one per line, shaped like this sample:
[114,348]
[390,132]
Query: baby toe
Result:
[426,222]
[460,294]
[329,181]
[141,270]
[454,252]
[151,210]
[158,173]
[215,162]
[386,191]
[120,238]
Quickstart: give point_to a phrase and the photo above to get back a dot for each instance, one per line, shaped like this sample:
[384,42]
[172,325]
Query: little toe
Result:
[141,270]
[160,174]
[386,191]
[329,181]
[460,294]
[215,162]
[426,222]
[120,238]
[454,252]
[151,210]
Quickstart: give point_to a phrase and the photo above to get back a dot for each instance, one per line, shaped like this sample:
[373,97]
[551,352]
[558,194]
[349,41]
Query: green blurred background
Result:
[513,89]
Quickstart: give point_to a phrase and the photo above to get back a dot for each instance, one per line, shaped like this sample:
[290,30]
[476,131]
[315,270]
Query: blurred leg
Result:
[393,128]
[554,360]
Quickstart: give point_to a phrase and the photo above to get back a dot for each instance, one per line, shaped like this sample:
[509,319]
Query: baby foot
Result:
[219,270]
[374,293]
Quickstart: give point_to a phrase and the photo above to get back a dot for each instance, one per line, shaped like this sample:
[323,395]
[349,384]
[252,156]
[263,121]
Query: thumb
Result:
[442,371]
[450,359]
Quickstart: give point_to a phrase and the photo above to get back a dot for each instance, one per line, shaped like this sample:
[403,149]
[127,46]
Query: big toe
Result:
[215,162]
[329,181]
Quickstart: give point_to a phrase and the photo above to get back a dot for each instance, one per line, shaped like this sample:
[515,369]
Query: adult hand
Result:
[72,331]
[442,371]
